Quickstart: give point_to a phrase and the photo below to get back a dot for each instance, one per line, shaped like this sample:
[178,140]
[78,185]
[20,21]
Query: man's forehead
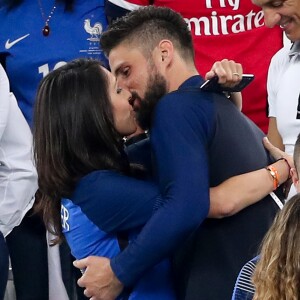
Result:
[123,55]
[116,57]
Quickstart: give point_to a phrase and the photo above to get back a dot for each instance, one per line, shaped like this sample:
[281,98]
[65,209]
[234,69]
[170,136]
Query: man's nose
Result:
[122,83]
[271,17]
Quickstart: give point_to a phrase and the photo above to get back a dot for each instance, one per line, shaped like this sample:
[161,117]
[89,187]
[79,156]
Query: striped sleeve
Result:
[129,5]
[244,288]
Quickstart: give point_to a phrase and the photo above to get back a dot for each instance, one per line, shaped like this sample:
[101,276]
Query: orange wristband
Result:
[275,176]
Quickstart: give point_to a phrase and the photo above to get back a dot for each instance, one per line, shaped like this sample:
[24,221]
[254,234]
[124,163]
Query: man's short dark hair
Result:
[146,27]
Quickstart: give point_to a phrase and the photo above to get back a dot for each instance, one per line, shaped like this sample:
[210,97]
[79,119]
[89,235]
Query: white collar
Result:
[295,49]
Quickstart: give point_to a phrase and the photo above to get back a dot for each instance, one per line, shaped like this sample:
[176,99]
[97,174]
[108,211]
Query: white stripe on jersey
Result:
[245,278]
[125,4]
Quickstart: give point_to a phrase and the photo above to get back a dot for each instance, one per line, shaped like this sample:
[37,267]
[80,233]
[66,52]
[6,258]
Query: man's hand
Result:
[230,74]
[98,279]
[228,71]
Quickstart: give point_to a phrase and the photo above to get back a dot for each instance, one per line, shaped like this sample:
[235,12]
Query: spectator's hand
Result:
[276,153]
[98,279]
[228,71]
[230,74]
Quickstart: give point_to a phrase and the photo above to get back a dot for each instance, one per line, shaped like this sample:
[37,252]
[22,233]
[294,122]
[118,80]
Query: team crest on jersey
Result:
[64,214]
[95,30]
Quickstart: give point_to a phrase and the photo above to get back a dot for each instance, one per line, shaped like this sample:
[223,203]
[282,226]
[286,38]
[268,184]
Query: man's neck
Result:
[179,74]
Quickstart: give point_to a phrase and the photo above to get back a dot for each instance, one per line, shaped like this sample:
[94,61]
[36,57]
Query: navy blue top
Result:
[198,140]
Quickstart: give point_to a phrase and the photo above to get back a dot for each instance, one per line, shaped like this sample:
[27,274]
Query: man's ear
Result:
[166,51]
[295,179]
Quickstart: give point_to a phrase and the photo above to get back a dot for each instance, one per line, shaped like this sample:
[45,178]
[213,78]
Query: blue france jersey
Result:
[29,56]
[93,240]
[103,204]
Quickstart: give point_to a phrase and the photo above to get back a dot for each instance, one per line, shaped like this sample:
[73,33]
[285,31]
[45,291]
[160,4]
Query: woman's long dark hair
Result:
[73,134]
[69,4]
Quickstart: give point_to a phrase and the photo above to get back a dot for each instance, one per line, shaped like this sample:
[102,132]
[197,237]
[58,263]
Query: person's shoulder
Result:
[103,181]
[99,175]
[281,56]
[97,184]
[250,265]
[190,108]
[187,95]
[190,97]
[244,286]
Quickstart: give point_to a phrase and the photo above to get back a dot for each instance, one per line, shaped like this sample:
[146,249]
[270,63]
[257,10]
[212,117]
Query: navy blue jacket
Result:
[198,140]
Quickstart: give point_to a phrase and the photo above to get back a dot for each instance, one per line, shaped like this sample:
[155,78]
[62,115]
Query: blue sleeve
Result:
[180,135]
[115,202]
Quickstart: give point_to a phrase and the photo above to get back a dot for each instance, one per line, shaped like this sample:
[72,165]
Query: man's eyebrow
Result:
[270,2]
[267,3]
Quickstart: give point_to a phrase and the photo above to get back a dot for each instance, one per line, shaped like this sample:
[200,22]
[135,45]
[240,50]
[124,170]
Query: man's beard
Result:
[156,89]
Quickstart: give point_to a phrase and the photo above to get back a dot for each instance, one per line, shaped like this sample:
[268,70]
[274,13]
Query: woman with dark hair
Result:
[86,186]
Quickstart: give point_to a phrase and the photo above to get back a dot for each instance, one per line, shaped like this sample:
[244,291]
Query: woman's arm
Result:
[238,192]
[237,100]
[274,135]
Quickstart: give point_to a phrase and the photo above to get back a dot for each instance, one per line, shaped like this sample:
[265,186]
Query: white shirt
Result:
[284,93]
[18,176]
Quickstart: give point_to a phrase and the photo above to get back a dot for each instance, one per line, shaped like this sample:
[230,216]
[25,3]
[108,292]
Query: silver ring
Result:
[236,74]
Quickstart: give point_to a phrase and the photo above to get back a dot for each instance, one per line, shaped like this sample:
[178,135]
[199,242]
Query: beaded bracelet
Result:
[275,176]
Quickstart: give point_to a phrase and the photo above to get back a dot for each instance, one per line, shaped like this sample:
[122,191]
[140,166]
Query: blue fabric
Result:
[178,216]
[103,204]
[198,140]
[114,11]
[140,153]
[33,57]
